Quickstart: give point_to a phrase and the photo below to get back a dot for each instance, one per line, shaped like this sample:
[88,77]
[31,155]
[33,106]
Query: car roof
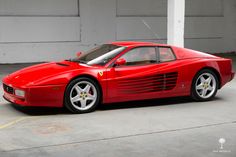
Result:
[136,43]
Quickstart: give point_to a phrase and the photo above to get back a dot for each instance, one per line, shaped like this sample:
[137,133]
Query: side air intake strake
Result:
[159,82]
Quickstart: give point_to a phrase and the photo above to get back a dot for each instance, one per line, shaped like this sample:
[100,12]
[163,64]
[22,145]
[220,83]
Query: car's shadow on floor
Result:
[146,103]
[41,111]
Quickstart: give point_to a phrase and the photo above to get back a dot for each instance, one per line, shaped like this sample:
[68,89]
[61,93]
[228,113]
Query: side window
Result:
[166,54]
[140,56]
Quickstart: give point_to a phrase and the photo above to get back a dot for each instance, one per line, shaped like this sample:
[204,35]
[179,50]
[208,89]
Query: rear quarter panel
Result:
[190,67]
[194,61]
[225,70]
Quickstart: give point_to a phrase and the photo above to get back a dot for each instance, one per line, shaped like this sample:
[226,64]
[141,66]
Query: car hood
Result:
[32,74]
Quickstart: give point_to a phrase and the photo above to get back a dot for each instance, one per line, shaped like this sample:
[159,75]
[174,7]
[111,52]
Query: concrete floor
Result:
[163,127]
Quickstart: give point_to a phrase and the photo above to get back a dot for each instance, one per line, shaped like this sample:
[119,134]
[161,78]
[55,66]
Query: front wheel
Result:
[82,95]
[205,85]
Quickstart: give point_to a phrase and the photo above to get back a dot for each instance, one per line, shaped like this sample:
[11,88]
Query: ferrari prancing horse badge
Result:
[100,73]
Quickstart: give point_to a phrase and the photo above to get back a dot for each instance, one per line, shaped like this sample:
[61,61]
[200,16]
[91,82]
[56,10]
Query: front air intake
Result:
[8,89]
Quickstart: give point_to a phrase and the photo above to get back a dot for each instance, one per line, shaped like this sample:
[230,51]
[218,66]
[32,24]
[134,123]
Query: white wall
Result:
[229,25]
[39,30]
[39,7]
[204,23]
[45,30]
[98,21]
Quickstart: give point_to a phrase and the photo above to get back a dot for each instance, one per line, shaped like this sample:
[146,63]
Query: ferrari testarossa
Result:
[117,72]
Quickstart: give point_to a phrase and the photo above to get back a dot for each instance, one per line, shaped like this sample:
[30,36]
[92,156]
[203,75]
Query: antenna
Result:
[149,27]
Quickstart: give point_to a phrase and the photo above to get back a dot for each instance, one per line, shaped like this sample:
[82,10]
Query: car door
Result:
[144,75]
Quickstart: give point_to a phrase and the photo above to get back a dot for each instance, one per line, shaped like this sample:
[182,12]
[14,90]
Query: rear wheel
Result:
[205,85]
[82,95]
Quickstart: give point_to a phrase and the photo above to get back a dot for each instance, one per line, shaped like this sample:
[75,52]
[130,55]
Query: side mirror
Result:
[120,61]
[78,54]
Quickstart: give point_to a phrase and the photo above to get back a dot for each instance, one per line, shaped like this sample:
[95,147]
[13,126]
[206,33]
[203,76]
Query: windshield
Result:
[99,55]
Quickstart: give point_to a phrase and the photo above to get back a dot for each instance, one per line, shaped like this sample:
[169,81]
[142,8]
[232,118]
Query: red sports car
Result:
[117,72]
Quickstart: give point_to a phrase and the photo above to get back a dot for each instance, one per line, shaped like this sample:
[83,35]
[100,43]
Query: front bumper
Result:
[9,95]
[49,95]
[11,98]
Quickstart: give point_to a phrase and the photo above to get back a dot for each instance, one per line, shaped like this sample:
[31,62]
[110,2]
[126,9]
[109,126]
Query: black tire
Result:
[69,91]
[195,93]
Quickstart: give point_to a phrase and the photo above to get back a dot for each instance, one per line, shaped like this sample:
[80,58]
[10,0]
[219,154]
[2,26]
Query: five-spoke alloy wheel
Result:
[82,95]
[205,85]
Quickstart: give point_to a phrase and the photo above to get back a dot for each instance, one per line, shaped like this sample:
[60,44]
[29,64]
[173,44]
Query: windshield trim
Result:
[116,52]
[100,55]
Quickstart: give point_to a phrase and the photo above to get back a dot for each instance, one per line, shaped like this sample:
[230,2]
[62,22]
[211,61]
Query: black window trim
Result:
[172,51]
[141,64]
[157,56]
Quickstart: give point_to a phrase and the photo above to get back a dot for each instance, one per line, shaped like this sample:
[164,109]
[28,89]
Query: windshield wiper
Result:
[76,60]
[79,61]
[69,60]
